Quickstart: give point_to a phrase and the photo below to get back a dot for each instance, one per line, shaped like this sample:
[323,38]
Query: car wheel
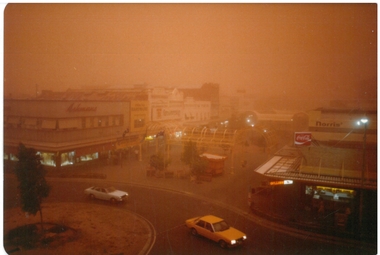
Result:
[222,244]
[113,200]
[194,232]
[92,196]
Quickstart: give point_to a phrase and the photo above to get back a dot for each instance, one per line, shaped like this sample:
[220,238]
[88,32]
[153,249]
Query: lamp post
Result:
[364,121]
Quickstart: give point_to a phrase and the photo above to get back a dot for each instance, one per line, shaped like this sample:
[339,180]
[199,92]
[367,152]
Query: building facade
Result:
[335,171]
[68,128]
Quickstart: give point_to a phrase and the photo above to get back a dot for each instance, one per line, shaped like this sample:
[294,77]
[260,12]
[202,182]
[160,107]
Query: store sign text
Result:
[327,124]
[79,108]
[284,182]
[302,138]
[139,107]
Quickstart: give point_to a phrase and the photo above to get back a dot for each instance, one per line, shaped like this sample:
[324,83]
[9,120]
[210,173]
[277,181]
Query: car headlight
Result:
[244,237]
[233,242]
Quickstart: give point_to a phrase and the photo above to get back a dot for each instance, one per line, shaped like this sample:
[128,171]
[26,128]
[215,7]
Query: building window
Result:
[13,157]
[47,158]
[13,122]
[30,123]
[139,123]
[49,124]
[89,157]
[89,122]
[103,121]
[67,158]
[118,120]
[70,123]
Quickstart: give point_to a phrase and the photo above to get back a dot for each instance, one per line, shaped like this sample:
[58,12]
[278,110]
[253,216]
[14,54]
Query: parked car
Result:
[109,194]
[216,229]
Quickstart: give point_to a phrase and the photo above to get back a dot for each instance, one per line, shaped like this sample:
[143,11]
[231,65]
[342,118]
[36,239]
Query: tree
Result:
[189,153]
[190,157]
[32,184]
[158,162]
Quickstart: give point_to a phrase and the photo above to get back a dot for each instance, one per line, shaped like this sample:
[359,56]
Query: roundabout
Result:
[77,228]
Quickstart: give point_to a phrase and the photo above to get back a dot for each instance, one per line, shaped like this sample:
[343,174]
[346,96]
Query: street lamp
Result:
[364,121]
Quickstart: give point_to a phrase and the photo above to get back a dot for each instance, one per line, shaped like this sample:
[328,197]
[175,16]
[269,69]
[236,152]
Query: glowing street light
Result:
[364,121]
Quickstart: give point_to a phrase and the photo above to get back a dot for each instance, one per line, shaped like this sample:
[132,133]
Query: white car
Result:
[109,194]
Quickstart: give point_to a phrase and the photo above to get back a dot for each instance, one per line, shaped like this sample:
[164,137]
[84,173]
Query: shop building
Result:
[76,126]
[332,173]
[67,128]
[172,105]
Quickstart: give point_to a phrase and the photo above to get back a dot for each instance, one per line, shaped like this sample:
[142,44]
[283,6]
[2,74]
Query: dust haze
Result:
[300,52]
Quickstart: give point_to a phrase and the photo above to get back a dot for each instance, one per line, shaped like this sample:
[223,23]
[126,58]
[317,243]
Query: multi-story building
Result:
[82,125]
[71,127]
[209,92]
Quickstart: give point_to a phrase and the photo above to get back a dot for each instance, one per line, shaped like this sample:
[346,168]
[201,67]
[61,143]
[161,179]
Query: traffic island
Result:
[77,228]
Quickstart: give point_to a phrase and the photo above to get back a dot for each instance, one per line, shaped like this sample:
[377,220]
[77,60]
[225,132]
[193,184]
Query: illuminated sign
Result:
[284,182]
[302,138]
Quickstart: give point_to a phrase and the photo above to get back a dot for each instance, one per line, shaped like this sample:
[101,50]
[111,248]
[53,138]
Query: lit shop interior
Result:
[334,199]
[67,158]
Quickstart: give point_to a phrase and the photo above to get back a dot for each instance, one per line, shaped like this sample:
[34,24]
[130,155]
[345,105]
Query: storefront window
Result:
[335,199]
[89,157]
[47,158]
[67,158]
[139,123]
[13,157]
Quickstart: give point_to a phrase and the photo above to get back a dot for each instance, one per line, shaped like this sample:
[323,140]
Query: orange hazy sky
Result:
[296,50]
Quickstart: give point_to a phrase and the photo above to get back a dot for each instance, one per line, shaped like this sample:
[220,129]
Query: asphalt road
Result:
[168,210]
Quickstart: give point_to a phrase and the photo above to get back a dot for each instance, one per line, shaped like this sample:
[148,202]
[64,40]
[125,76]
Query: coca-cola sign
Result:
[302,138]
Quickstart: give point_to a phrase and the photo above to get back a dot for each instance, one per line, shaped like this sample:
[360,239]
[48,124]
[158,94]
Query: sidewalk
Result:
[230,189]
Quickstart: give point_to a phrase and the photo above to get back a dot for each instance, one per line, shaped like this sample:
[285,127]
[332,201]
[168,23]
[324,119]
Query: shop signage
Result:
[79,108]
[284,182]
[139,106]
[328,124]
[302,138]
[166,113]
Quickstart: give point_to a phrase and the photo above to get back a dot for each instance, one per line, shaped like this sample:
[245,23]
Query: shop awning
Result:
[290,167]
[288,163]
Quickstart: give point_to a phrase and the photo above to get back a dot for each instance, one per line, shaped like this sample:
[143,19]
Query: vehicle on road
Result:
[109,194]
[216,229]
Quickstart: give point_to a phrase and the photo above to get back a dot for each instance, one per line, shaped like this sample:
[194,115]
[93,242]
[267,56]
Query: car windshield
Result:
[221,226]
[110,189]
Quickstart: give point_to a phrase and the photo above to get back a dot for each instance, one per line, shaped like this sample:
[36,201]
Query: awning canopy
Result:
[288,165]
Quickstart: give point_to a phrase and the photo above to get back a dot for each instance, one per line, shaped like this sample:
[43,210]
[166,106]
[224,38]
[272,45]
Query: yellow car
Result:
[216,229]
